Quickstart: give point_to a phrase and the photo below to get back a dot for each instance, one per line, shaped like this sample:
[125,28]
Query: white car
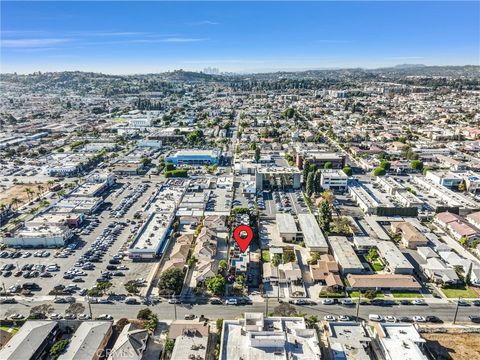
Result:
[16,316]
[390,318]
[231,302]
[55,316]
[375,317]
[329,318]
[418,318]
[347,302]
[83,317]
[173,301]
[105,317]
[344,318]
[418,302]
[328,302]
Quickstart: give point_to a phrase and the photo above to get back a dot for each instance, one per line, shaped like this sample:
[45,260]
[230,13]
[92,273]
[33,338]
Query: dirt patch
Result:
[456,346]
[18,191]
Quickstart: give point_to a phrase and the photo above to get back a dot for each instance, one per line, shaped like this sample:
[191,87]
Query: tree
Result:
[40,311]
[284,309]
[461,186]
[385,165]
[463,241]
[121,323]
[216,285]
[192,261]
[169,166]
[257,154]
[169,345]
[219,325]
[309,187]
[58,348]
[289,113]
[222,265]
[144,314]
[132,287]
[370,294]
[327,165]
[316,181]
[104,286]
[379,171]
[311,321]
[171,281]
[306,169]
[416,165]
[75,309]
[288,256]
[425,170]
[372,254]
[325,216]
[348,171]
[276,260]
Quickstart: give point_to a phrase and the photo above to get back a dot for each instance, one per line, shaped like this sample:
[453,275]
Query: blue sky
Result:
[137,37]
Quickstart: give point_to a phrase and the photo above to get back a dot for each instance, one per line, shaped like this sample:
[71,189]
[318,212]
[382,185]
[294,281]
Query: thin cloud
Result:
[32,43]
[205,22]
[181,40]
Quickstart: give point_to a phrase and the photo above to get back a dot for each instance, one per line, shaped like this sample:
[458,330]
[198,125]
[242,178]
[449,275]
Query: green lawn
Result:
[406,294]
[354,294]
[377,266]
[461,292]
[265,256]
[5,328]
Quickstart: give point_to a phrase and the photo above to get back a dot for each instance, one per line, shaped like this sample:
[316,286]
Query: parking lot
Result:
[282,201]
[100,243]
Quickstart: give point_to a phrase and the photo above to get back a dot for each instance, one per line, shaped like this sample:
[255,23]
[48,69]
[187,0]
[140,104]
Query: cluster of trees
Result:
[147,104]
[176,173]
[171,282]
[196,137]
[152,319]
[216,285]
[382,168]
[58,348]
[311,177]
[325,216]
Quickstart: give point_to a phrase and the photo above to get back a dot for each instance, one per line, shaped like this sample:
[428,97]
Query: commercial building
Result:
[151,239]
[398,341]
[88,342]
[194,157]
[38,234]
[32,341]
[333,179]
[348,341]
[288,177]
[312,234]
[345,255]
[286,226]
[448,197]
[320,158]
[257,337]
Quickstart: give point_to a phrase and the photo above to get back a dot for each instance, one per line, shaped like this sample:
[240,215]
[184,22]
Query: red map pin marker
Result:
[243,235]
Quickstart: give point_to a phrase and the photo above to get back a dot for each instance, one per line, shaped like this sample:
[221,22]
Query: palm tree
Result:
[14,202]
[50,183]
[29,192]
[40,189]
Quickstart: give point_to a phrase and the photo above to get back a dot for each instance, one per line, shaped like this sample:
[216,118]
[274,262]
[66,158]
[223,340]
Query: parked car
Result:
[329,318]
[173,301]
[216,302]
[189,317]
[418,318]
[375,317]
[433,319]
[231,302]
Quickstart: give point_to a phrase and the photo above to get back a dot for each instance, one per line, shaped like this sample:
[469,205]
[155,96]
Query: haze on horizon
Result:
[148,37]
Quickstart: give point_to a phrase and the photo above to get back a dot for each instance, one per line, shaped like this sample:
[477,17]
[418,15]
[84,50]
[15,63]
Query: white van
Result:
[374,317]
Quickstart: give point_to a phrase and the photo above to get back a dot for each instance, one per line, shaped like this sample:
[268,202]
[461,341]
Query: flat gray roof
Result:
[312,234]
[86,340]
[28,339]
[344,253]
[286,224]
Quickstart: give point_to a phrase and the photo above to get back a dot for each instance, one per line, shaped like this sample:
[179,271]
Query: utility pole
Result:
[456,312]
[266,307]
[89,307]
[175,310]
[358,304]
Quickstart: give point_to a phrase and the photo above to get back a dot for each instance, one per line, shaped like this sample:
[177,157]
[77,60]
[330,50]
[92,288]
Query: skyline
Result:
[147,37]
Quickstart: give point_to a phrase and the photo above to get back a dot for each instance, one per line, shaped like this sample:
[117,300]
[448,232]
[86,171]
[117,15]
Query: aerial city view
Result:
[240,180]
